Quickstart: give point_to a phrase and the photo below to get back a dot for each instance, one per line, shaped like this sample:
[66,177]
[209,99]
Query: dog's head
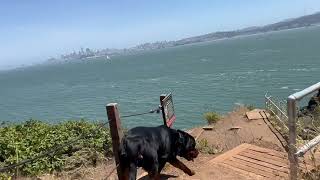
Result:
[186,146]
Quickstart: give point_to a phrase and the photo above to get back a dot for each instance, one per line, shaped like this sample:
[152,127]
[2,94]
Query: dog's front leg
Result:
[132,172]
[178,164]
[154,176]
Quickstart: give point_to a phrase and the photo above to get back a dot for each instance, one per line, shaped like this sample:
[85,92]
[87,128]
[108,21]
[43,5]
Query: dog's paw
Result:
[191,173]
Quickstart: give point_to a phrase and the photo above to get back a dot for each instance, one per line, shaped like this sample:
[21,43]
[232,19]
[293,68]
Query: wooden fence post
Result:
[116,134]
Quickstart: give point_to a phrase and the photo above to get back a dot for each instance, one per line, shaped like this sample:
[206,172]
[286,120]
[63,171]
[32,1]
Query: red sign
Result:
[168,110]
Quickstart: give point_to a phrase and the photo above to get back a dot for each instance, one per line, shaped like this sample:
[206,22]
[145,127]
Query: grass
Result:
[313,122]
[307,128]
[32,137]
[212,117]
[313,174]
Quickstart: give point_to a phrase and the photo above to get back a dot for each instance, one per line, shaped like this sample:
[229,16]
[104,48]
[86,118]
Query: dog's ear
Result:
[179,142]
[188,140]
[180,139]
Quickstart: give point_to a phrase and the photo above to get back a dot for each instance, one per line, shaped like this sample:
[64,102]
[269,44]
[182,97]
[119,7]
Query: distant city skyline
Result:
[31,31]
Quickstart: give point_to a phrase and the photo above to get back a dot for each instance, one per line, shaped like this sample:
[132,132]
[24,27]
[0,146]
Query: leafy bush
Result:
[204,147]
[250,107]
[29,139]
[212,117]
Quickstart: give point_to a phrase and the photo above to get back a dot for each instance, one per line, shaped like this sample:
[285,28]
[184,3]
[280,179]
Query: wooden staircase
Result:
[246,162]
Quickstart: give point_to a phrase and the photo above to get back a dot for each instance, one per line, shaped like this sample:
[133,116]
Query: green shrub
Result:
[250,107]
[204,147]
[316,116]
[211,117]
[29,139]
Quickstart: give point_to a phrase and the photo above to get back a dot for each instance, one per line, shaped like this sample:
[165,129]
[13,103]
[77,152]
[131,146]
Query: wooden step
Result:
[263,162]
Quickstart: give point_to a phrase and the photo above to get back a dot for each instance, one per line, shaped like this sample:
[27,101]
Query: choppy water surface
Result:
[204,77]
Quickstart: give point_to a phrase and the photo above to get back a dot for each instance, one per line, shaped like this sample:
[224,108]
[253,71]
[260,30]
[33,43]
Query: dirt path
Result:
[221,137]
[253,132]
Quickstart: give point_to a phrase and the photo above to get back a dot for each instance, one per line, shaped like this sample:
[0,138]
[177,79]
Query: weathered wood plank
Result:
[269,151]
[265,159]
[264,165]
[263,168]
[262,162]
[230,153]
[238,165]
[276,158]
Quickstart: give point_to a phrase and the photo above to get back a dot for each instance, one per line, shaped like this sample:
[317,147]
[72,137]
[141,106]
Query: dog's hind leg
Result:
[125,175]
[124,166]
[132,171]
[178,164]
[154,176]
[153,172]
[161,165]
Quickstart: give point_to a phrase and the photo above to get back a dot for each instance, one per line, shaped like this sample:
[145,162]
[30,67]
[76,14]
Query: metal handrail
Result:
[282,115]
[292,114]
[305,148]
[274,104]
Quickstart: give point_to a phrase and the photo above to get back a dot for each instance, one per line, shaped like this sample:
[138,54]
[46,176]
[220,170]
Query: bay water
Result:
[211,76]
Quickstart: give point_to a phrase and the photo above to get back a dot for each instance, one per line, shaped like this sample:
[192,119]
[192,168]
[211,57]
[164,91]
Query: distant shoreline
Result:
[3,70]
[309,21]
[262,33]
[295,23]
[239,36]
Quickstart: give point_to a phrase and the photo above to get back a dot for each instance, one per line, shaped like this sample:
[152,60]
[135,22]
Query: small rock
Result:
[207,128]
[235,127]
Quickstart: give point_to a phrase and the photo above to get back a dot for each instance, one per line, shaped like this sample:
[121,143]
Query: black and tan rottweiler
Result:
[151,147]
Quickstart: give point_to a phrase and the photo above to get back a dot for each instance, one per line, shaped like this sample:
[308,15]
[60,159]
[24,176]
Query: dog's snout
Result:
[195,153]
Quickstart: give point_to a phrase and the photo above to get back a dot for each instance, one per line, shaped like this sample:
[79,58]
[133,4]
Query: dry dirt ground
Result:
[253,132]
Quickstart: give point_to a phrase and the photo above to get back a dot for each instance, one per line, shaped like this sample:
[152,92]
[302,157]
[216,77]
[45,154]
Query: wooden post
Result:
[116,134]
[17,161]
[162,96]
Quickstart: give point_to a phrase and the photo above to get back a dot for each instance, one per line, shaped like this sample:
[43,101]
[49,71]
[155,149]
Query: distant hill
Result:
[304,21]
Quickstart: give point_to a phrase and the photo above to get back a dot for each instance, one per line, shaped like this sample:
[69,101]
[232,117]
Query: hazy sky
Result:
[31,31]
